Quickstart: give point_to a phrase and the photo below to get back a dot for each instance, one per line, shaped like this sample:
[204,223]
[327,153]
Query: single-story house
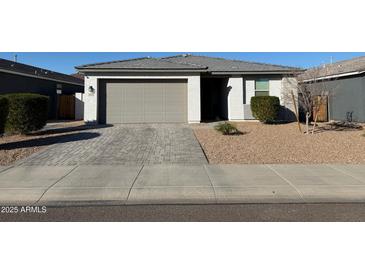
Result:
[65,92]
[344,82]
[183,88]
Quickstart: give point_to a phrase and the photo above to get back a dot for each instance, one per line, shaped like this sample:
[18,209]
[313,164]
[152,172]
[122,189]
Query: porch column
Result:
[91,100]
[194,112]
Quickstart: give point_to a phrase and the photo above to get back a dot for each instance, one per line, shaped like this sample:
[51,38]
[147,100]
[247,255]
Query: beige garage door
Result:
[151,101]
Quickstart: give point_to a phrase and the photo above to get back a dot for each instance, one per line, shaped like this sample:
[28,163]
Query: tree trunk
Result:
[307,116]
[296,111]
[317,107]
[315,122]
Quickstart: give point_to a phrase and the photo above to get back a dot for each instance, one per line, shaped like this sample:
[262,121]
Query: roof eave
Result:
[83,70]
[256,72]
[334,76]
[41,77]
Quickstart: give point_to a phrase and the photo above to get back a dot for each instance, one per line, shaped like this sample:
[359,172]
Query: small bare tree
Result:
[313,89]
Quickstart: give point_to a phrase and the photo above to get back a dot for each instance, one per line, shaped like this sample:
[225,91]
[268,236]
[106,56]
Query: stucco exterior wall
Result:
[289,85]
[275,88]
[194,112]
[278,86]
[249,93]
[235,98]
[91,98]
[79,106]
[346,95]
[250,90]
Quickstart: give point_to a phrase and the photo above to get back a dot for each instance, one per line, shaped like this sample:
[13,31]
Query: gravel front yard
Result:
[9,156]
[17,147]
[269,144]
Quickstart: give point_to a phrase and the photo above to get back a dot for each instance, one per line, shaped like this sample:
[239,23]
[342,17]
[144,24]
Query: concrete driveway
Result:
[124,145]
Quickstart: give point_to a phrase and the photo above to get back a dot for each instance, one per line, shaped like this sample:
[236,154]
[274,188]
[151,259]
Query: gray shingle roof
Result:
[215,64]
[145,63]
[352,65]
[188,62]
[27,70]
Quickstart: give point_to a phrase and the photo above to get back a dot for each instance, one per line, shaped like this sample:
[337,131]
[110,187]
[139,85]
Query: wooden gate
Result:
[66,107]
[321,103]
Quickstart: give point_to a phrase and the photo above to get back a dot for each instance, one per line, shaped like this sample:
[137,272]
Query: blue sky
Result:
[66,61]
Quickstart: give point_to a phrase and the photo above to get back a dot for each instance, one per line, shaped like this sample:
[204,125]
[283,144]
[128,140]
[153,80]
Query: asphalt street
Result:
[327,212]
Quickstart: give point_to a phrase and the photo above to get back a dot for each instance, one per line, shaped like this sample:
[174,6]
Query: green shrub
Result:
[4,110]
[265,108]
[27,112]
[227,128]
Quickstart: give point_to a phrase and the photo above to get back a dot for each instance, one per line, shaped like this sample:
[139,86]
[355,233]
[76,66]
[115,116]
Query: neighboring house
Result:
[184,88]
[78,75]
[60,88]
[345,82]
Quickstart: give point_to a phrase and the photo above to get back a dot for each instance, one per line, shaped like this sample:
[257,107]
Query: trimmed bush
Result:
[227,128]
[4,110]
[27,112]
[265,108]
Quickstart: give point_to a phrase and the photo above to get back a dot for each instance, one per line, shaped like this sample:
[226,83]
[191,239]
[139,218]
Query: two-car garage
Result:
[142,101]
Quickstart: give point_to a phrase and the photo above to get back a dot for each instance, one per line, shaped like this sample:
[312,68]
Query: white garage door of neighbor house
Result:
[163,101]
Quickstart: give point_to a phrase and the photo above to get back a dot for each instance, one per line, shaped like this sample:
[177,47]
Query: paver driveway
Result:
[125,144]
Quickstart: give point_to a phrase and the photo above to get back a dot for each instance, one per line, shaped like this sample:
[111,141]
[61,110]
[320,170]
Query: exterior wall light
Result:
[91,89]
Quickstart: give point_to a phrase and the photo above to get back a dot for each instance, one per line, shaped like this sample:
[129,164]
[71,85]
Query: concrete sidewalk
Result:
[180,184]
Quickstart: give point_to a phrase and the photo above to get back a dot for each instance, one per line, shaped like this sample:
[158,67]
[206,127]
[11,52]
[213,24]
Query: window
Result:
[262,87]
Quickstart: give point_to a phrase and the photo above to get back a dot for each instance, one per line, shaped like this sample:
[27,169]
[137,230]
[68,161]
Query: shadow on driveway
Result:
[67,129]
[50,140]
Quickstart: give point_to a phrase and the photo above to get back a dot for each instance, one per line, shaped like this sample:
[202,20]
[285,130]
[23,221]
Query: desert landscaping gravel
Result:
[282,144]
[16,147]
[9,156]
